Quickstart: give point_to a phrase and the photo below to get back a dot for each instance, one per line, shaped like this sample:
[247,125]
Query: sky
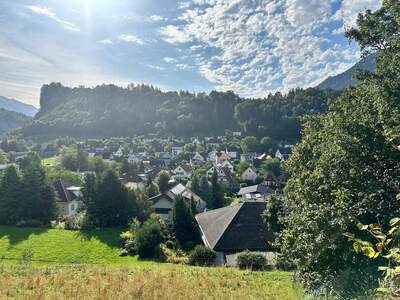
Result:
[252,47]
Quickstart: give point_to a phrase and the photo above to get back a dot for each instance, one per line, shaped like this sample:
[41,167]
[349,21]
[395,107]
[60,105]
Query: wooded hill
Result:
[10,120]
[108,110]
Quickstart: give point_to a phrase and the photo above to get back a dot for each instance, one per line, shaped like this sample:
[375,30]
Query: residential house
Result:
[197,159]
[234,229]
[221,157]
[283,153]
[133,182]
[259,192]
[210,171]
[228,179]
[119,153]
[271,180]
[184,171]
[212,155]
[237,133]
[249,157]
[214,142]
[176,151]
[166,157]
[163,203]
[232,153]
[226,164]
[249,175]
[133,159]
[69,198]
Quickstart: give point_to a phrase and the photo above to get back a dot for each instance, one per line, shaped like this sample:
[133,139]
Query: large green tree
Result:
[346,169]
[10,197]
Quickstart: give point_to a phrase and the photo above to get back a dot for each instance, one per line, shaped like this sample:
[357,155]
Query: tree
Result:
[108,203]
[346,168]
[10,197]
[267,145]
[152,190]
[38,196]
[195,185]
[205,191]
[163,181]
[148,238]
[217,195]
[272,165]
[250,144]
[184,227]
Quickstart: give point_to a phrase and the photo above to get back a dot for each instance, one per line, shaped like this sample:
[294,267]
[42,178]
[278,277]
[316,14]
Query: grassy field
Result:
[51,161]
[86,265]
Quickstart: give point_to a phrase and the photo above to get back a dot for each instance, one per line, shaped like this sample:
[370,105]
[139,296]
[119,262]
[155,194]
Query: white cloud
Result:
[155,67]
[262,46]
[350,9]
[169,60]
[184,67]
[129,38]
[47,12]
[157,18]
[106,42]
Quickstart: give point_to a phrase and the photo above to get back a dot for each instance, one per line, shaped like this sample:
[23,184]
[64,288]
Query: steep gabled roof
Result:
[214,223]
[259,188]
[236,228]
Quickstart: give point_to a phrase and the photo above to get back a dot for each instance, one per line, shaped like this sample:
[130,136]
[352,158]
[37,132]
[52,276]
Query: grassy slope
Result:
[51,161]
[101,273]
[63,246]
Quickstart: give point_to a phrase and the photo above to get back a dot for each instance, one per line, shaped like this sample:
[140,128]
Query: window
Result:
[162,211]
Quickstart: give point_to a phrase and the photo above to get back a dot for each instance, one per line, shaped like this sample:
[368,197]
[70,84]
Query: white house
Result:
[283,153]
[176,151]
[212,155]
[237,133]
[119,152]
[210,171]
[249,175]
[69,198]
[198,159]
[163,203]
[133,159]
[184,171]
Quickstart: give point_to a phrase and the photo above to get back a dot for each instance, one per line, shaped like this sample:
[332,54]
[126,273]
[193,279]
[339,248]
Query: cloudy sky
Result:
[252,47]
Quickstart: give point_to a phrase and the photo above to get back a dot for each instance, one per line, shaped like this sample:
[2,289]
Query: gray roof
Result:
[236,228]
[214,222]
[254,189]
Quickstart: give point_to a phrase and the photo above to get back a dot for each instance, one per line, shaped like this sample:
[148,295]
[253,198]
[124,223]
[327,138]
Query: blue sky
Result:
[252,47]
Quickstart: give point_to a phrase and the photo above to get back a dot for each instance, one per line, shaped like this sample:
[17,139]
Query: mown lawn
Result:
[62,246]
[86,265]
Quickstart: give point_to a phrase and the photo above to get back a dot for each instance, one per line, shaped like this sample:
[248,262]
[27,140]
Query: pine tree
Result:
[10,197]
[217,196]
[195,186]
[163,180]
[184,227]
[205,192]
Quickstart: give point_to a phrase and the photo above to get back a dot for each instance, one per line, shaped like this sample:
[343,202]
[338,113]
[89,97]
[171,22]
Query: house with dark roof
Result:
[183,170]
[283,153]
[69,198]
[234,229]
[163,203]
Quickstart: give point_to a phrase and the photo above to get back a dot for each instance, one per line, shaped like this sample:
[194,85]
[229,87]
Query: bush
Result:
[173,256]
[29,223]
[78,222]
[252,261]
[201,256]
[148,237]
[130,247]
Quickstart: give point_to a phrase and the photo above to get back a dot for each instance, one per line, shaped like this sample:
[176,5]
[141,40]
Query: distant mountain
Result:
[344,80]
[17,106]
[10,120]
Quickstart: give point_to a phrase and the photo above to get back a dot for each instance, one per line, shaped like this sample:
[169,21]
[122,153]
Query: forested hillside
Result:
[109,110]
[11,120]
[346,79]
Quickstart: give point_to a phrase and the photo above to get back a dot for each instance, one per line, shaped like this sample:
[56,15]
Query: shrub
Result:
[148,237]
[29,223]
[78,222]
[130,247]
[173,256]
[201,256]
[252,261]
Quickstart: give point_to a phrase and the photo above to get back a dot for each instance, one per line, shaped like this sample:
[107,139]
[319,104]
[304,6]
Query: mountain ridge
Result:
[17,106]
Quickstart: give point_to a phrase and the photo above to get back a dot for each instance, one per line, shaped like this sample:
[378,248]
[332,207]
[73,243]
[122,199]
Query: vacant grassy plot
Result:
[144,282]
[86,265]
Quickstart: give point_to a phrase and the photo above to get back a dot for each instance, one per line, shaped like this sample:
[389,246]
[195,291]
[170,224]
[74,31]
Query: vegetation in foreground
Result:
[62,264]
[144,282]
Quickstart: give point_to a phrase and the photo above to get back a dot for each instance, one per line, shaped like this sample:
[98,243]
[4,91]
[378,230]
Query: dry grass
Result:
[143,282]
